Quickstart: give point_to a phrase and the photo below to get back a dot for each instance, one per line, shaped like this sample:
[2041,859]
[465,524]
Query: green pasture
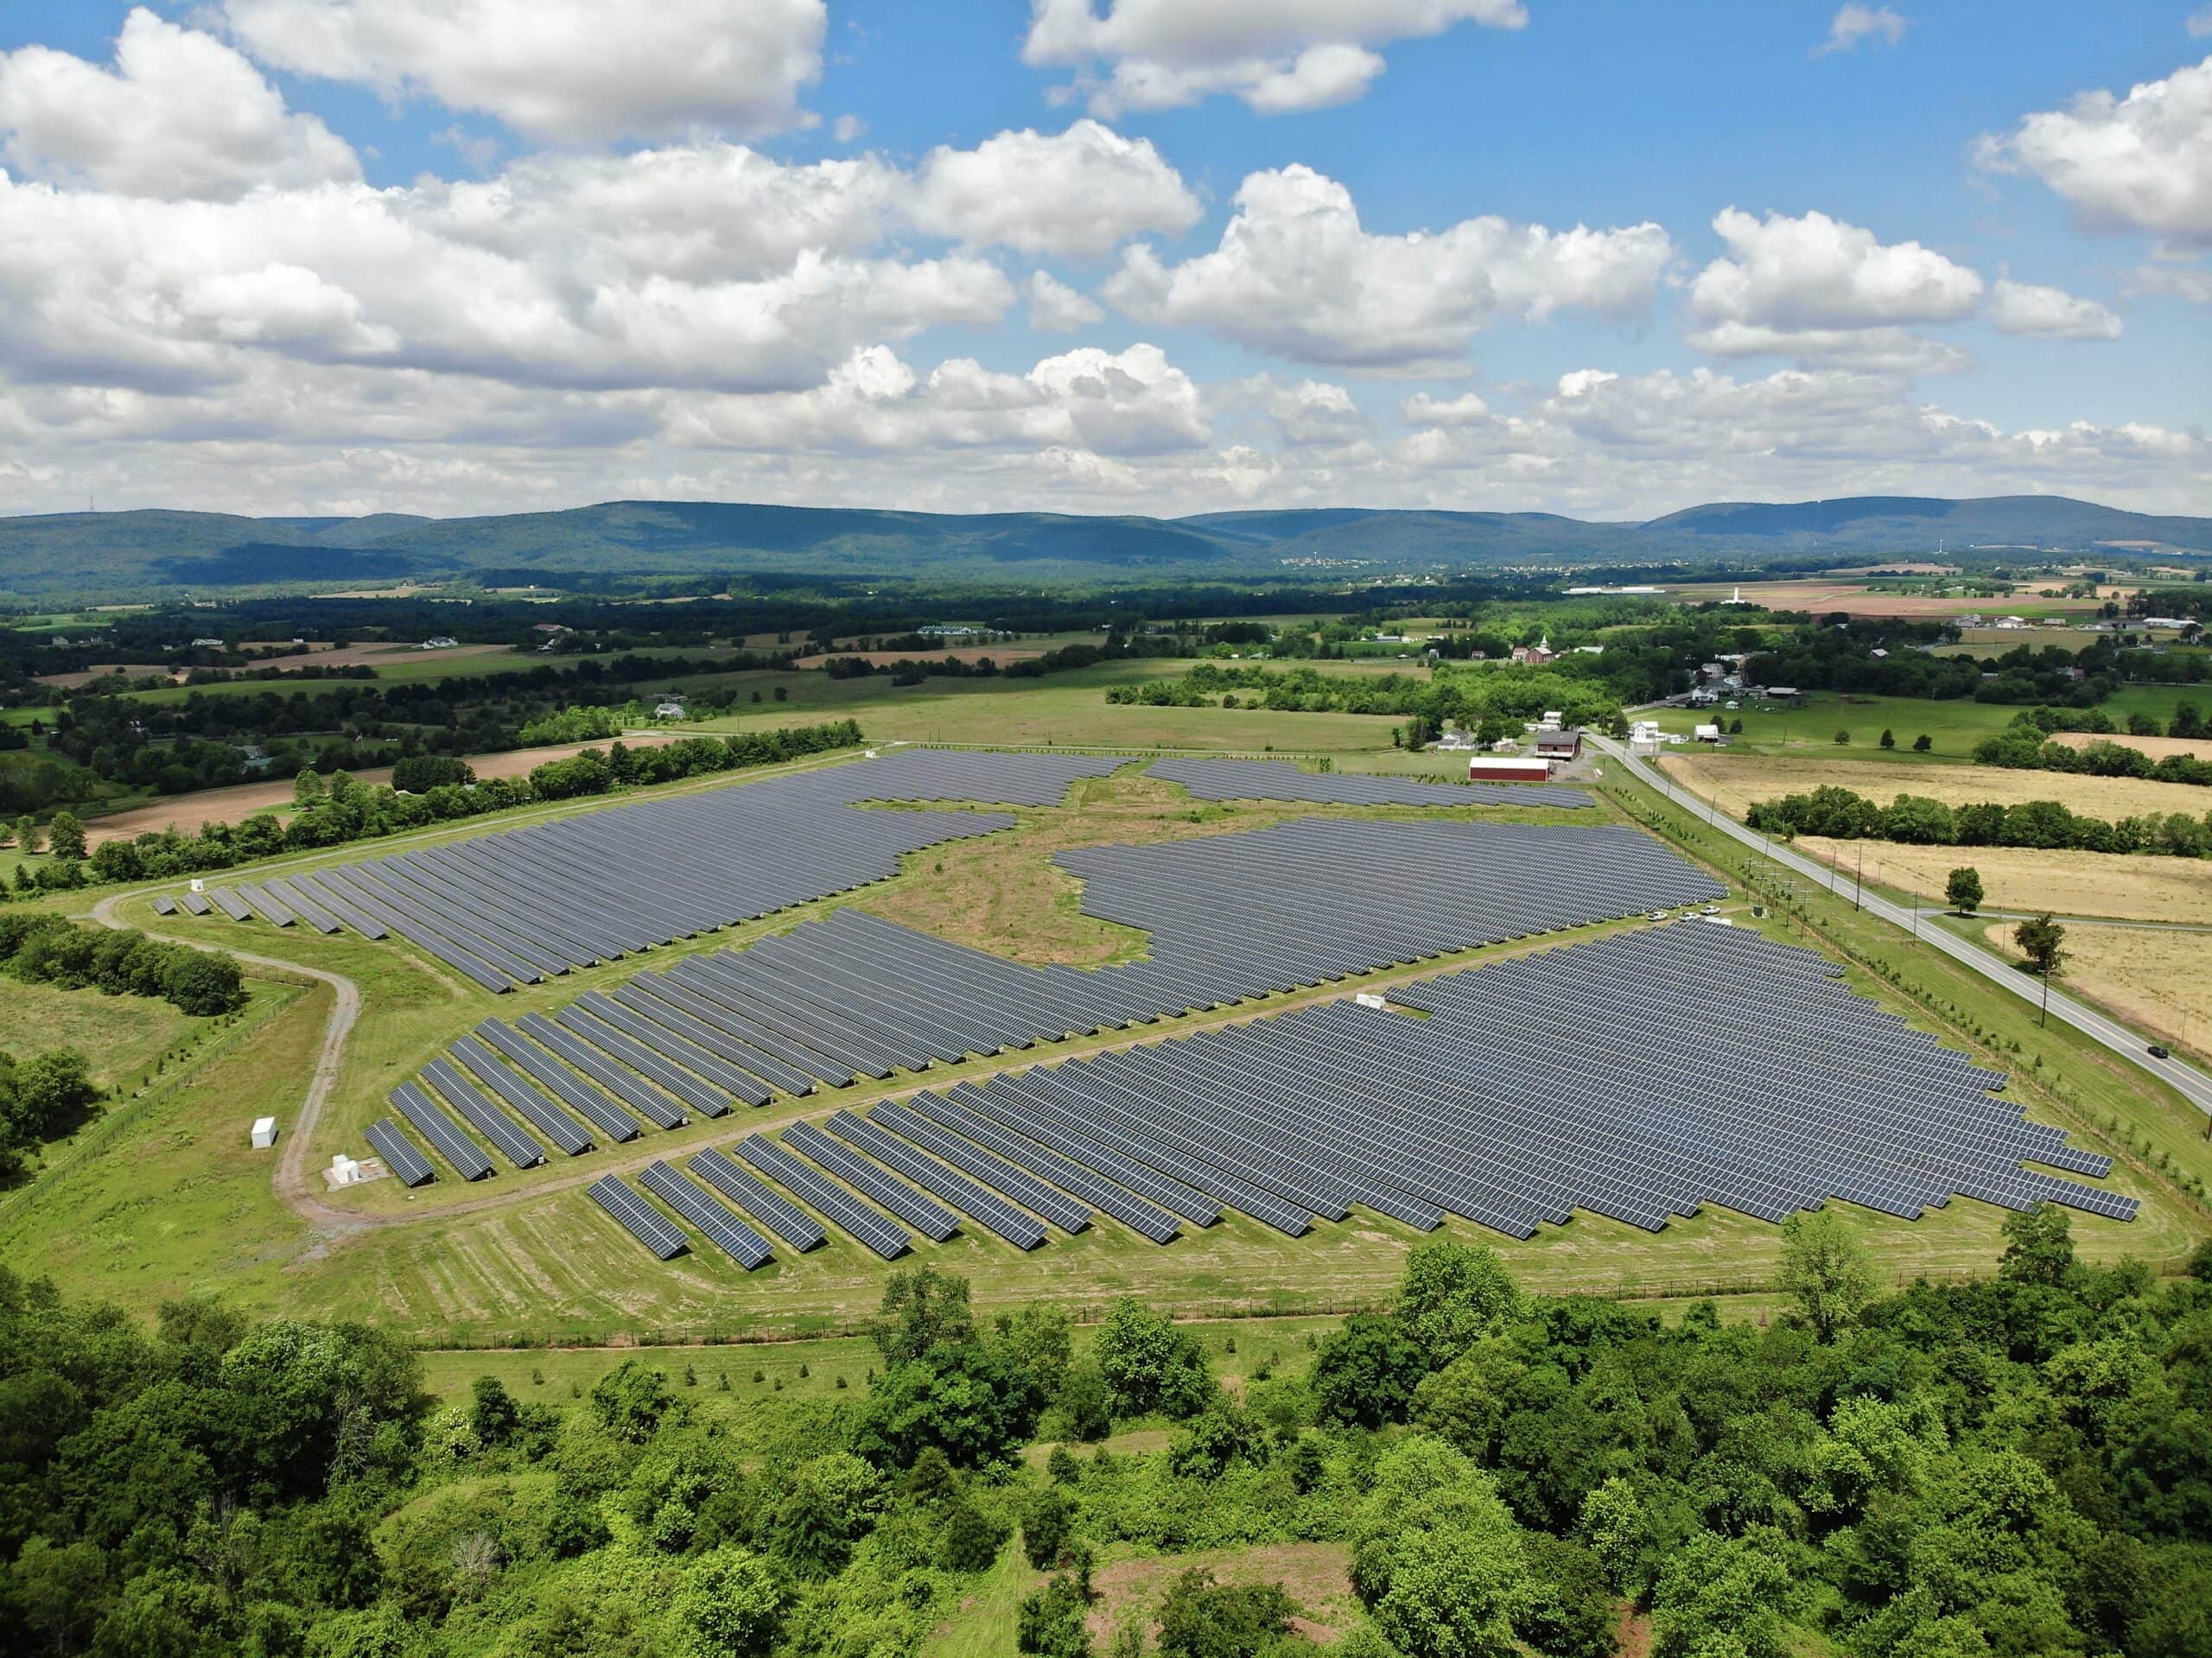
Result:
[1953,727]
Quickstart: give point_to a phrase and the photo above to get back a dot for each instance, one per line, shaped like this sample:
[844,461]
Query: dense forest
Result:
[2013,1467]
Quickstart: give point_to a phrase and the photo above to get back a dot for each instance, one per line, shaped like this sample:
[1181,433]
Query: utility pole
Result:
[1858,878]
[2044,1018]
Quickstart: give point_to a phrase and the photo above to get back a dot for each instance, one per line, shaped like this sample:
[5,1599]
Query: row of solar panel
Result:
[1275,780]
[1511,1113]
[524,904]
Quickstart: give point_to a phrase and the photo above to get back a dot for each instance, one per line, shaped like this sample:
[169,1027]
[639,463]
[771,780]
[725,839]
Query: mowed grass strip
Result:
[2123,886]
[1737,781]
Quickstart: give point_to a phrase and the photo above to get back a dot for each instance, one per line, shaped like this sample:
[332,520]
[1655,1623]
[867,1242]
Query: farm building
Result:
[1508,768]
[1560,745]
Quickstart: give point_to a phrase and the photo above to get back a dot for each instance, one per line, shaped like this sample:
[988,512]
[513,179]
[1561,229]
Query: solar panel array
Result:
[525,905]
[1276,780]
[1640,1077]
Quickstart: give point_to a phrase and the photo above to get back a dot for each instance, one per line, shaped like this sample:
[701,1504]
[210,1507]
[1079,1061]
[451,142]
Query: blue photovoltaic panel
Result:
[638,1218]
[409,1167]
[431,1121]
[778,1214]
[1023,1231]
[840,1205]
[737,1239]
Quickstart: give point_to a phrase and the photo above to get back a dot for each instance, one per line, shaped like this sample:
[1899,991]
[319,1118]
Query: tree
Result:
[1889,738]
[203,982]
[729,1605]
[922,1309]
[1962,890]
[1201,1618]
[1922,744]
[1048,1519]
[27,837]
[971,1540]
[1150,1363]
[66,838]
[963,1399]
[2038,1247]
[1842,737]
[308,790]
[1052,1622]
[1452,1295]
[630,1402]
[1366,1371]
[1826,1269]
[2042,941]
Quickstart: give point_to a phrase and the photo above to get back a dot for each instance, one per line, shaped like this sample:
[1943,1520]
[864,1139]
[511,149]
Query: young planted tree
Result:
[1962,891]
[1889,738]
[1922,744]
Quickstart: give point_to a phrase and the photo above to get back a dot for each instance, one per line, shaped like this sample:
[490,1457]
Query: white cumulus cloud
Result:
[1277,55]
[1296,274]
[180,114]
[2049,313]
[1055,308]
[1078,194]
[1852,24]
[2141,163]
[572,71]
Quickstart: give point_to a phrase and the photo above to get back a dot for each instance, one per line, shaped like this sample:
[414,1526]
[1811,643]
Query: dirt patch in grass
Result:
[2158,982]
[2125,886]
[1318,1576]
[1740,779]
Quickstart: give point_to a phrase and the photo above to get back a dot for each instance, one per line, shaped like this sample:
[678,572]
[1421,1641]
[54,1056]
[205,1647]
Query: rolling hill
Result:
[160,551]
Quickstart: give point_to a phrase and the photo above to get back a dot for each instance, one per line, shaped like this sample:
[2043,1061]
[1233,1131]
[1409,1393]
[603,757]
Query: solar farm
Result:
[850,1084]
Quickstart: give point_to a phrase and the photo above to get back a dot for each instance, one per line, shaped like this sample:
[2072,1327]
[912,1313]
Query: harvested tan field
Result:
[2125,887]
[2159,982]
[1741,779]
[236,805]
[1822,597]
[351,656]
[2157,747]
[82,676]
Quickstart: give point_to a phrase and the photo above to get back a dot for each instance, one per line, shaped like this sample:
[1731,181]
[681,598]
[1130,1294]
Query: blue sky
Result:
[357,255]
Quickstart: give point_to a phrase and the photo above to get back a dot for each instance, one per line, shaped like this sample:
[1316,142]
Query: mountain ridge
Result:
[166,549]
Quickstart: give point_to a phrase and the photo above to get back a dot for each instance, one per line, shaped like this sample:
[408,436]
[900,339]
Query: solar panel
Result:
[737,1239]
[1023,1231]
[427,1119]
[780,1215]
[409,1167]
[482,1115]
[927,1216]
[638,1218]
[843,1208]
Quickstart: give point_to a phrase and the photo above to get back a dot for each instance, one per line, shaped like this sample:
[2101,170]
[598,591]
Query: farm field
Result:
[1857,599]
[1953,727]
[1737,780]
[2122,887]
[2157,747]
[2160,982]
[1068,710]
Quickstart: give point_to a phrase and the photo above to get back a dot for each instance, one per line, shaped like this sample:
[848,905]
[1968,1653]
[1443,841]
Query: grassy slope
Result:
[549,1265]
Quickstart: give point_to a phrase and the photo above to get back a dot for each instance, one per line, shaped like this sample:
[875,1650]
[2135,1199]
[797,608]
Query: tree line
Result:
[1916,820]
[2011,1468]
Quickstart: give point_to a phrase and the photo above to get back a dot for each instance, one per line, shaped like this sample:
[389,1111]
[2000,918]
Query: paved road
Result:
[2192,1084]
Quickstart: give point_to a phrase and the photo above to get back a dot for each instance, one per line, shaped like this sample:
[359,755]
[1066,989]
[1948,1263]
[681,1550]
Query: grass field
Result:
[1067,710]
[1736,780]
[1952,727]
[1827,596]
[2158,982]
[119,1036]
[2120,887]
[180,1206]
